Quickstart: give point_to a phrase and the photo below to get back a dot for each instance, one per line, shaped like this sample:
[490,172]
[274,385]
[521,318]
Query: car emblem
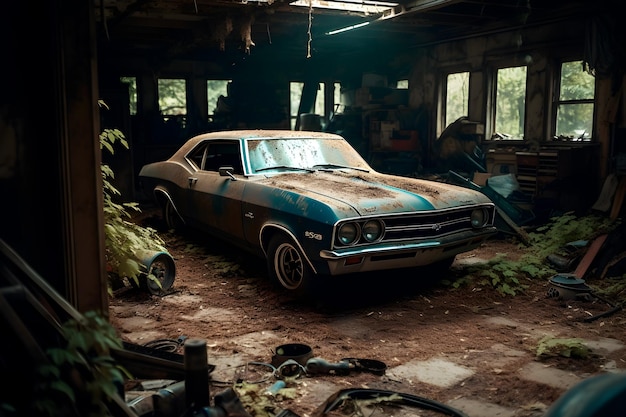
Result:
[436,227]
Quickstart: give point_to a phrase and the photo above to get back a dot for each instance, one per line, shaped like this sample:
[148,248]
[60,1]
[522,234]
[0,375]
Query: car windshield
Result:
[303,153]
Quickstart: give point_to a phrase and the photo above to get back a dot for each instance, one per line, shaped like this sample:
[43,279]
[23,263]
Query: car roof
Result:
[251,134]
[265,134]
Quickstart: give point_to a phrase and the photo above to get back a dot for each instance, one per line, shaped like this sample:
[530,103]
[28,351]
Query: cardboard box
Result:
[480,178]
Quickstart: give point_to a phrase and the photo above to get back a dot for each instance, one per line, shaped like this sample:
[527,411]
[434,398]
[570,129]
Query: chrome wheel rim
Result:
[289,266]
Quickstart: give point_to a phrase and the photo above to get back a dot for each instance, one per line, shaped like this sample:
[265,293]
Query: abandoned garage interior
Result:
[463,90]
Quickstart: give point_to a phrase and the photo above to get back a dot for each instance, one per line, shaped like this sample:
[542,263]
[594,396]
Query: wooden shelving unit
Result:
[558,174]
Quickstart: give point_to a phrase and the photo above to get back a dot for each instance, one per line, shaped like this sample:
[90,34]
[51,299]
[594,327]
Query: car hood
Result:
[376,193]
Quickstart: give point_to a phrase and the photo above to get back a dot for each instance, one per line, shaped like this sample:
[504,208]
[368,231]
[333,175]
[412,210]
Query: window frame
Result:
[443,94]
[557,102]
[494,100]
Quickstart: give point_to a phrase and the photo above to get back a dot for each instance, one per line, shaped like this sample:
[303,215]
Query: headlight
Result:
[348,233]
[479,218]
[372,230]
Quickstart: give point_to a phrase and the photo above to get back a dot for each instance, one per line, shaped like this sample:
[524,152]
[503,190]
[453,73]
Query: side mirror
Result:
[227,171]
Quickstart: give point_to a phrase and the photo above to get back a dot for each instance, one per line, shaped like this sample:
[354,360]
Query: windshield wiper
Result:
[290,168]
[339,166]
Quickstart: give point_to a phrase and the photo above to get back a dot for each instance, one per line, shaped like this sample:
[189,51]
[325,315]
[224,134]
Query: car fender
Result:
[162,196]
[269,229]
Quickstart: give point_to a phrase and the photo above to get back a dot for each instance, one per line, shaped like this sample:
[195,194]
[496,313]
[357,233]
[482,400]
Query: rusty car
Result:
[312,207]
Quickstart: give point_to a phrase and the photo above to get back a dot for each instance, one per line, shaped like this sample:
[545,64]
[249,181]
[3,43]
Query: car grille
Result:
[418,226]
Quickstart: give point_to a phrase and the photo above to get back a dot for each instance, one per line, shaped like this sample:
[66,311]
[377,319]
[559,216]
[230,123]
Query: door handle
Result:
[192,180]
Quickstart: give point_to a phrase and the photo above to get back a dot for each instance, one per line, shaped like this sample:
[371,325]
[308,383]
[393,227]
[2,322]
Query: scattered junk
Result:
[567,257]
[299,352]
[368,402]
[512,210]
[161,271]
[457,148]
[568,287]
[575,261]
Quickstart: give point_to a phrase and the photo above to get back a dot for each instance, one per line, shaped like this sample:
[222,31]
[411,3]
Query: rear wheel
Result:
[288,268]
[171,217]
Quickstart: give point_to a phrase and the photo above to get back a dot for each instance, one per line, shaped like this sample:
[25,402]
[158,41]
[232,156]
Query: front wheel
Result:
[288,268]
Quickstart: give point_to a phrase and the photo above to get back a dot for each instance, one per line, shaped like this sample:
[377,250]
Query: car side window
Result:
[197,156]
[222,154]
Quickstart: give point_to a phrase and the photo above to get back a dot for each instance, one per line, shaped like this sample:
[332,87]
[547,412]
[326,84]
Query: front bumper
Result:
[393,255]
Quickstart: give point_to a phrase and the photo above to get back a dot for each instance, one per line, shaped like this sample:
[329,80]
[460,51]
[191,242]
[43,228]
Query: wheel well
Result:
[267,234]
[269,231]
[160,197]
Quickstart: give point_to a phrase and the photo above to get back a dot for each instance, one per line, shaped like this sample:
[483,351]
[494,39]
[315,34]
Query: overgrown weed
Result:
[510,277]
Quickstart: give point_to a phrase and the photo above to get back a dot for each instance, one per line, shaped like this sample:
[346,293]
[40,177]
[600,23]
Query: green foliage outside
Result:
[575,118]
[511,101]
[508,276]
[172,96]
[457,96]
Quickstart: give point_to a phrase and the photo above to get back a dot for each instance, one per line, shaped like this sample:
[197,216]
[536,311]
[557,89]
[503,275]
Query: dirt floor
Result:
[223,296]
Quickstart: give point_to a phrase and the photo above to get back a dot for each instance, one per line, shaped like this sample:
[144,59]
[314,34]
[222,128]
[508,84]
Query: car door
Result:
[214,201]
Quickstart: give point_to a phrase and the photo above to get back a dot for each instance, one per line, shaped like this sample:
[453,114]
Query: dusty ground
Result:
[223,296]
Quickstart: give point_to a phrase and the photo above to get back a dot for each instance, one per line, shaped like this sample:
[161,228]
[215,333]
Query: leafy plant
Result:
[81,376]
[125,240]
[507,276]
[569,348]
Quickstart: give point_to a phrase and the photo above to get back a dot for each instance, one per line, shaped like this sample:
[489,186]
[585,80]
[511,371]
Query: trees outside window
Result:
[457,96]
[215,89]
[510,102]
[172,98]
[575,103]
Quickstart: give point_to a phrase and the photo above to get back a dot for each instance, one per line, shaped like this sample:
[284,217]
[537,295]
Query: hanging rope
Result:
[308,45]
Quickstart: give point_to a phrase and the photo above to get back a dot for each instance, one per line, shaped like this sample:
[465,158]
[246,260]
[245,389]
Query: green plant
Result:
[124,239]
[81,376]
[507,276]
[569,348]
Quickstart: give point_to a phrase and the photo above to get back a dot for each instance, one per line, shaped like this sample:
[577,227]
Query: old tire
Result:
[288,268]
[162,268]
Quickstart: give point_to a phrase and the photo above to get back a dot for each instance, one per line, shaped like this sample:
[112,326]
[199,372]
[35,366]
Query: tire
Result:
[288,268]
[162,269]
[170,216]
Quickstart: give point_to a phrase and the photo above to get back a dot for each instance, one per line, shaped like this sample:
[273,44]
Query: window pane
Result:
[457,96]
[402,84]
[215,89]
[576,84]
[132,93]
[295,92]
[172,97]
[511,102]
[575,120]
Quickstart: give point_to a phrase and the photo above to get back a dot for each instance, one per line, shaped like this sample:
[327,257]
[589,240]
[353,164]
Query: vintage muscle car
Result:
[312,207]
